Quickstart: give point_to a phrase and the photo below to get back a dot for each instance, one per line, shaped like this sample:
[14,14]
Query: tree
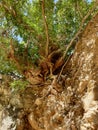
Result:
[46,43]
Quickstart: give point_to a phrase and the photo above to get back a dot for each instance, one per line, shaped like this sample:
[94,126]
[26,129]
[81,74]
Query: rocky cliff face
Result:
[85,60]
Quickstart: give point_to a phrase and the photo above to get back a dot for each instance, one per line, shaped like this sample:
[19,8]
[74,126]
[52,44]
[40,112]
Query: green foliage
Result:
[69,16]
[22,21]
[6,65]
[18,85]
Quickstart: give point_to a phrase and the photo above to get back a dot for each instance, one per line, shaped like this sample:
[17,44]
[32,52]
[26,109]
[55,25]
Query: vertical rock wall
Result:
[85,61]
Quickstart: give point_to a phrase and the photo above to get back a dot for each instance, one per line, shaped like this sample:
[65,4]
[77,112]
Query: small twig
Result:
[63,67]
[46,27]
[78,9]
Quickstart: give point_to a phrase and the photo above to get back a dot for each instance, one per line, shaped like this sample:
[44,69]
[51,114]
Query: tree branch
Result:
[46,27]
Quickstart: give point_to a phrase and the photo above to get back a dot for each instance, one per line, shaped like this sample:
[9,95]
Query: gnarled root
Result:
[33,122]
